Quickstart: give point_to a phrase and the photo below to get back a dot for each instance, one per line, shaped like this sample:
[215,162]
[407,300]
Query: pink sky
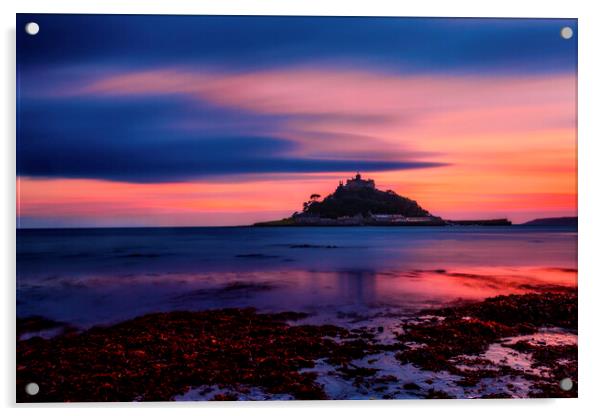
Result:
[508,144]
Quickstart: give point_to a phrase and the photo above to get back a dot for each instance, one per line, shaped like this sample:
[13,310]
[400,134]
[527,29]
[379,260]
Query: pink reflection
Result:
[476,283]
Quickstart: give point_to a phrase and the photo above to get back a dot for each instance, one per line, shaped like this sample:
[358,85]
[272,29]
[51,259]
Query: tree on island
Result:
[312,200]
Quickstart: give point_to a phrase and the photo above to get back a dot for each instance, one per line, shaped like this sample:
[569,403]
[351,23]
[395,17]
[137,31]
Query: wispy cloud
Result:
[470,122]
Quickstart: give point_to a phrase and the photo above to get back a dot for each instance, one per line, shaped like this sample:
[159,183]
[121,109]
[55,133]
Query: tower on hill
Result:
[358,183]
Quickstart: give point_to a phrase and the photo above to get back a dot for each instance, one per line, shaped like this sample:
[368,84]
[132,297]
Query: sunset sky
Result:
[183,120]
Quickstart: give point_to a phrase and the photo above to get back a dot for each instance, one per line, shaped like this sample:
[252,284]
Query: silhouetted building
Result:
[359,183]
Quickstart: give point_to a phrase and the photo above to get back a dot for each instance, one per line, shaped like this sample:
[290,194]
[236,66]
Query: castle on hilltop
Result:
[357,202]
[358,183]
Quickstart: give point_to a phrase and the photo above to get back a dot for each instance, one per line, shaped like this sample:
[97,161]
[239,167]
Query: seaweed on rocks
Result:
[464,332]
[522,311]
[36,325]
[157,356]
[560,362]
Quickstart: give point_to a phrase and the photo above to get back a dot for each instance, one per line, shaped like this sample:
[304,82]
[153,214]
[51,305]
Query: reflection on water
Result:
[104,275]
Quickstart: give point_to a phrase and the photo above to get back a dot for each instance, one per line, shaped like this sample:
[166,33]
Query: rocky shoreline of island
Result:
[395,221]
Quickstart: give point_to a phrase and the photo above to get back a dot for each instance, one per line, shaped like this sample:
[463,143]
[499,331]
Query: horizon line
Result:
[91,227]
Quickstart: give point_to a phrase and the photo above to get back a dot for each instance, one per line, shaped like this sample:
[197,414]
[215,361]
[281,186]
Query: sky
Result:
[229,120]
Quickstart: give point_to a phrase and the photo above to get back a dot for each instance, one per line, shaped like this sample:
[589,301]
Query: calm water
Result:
[95,276]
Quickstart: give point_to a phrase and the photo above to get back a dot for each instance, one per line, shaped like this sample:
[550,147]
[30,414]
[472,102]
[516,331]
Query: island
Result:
[358,202]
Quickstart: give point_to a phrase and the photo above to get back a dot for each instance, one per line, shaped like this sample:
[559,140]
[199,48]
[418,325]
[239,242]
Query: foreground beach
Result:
[507,346]
[304,313]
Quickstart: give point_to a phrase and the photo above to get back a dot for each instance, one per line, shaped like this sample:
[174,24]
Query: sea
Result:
[104,275]
[365,278]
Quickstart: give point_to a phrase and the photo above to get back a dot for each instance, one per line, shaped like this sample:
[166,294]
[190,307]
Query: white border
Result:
[590,200]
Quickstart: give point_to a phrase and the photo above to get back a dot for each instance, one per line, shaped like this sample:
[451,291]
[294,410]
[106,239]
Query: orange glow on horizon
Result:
[206,203]
[507,145]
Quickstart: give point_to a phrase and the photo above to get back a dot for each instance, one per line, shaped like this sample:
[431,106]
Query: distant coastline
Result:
[555,221]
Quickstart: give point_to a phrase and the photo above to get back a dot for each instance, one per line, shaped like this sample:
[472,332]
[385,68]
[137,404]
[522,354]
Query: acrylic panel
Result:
[291,208]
